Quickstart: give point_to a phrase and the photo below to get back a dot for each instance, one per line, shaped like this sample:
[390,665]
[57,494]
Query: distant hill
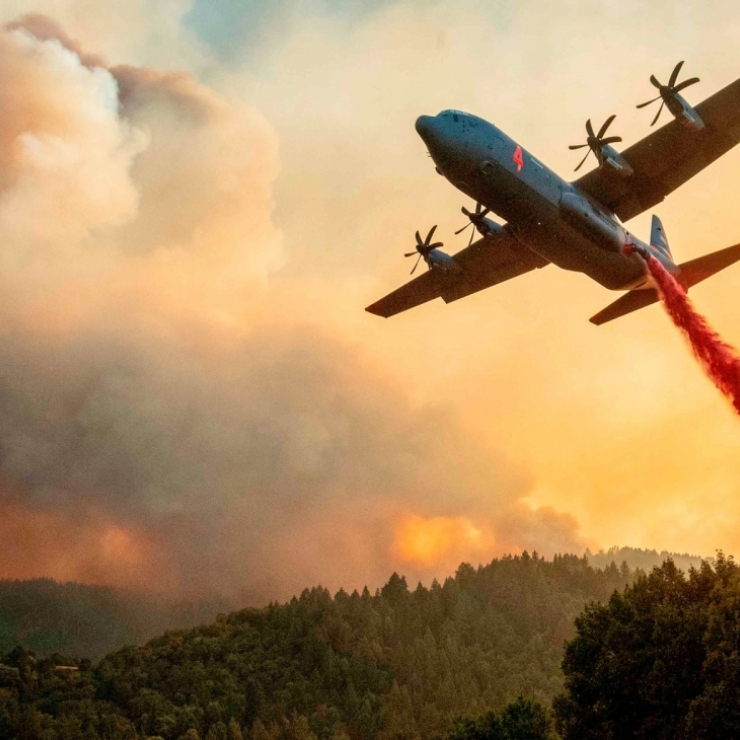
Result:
[400,663]
[643,559]
[89,621]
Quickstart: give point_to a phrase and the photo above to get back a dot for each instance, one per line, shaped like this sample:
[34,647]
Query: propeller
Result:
[668,91]
[596,142]
[423,248]
[476,220]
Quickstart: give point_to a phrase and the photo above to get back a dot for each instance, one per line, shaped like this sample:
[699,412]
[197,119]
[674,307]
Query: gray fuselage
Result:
[549,215]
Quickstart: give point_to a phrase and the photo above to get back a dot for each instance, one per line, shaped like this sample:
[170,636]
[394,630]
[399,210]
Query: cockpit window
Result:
[459,116]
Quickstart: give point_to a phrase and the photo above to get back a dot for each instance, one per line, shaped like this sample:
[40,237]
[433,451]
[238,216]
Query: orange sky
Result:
[188,272]
[617,424]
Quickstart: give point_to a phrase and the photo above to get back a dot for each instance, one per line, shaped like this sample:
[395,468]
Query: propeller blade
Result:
[416,264]
[430,235]
[606,125]
[582,161]
[418,239]
[657,116]
[577,146]
[475,218]
[655,82]
[642,105]
[590,129]
[685,84]
[674,74]
[410,254]
[610,140]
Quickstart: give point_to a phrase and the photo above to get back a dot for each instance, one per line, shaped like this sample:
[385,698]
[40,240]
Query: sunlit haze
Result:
[197,201]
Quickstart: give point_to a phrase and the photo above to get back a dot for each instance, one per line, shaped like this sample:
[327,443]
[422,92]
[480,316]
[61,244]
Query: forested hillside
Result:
[400,663]
[89,621]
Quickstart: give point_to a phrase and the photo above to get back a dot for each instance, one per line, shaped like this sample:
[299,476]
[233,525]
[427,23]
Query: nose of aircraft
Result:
[424,126]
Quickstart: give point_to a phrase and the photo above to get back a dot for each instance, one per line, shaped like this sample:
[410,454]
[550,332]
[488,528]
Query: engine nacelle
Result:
[442,261]
[612,158]
[489,227]
[591,221]
[684,113]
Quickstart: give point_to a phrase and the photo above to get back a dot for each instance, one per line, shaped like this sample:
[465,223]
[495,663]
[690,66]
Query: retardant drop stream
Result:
[719,359]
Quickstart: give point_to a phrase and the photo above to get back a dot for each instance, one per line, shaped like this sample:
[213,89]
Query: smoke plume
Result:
[162,423]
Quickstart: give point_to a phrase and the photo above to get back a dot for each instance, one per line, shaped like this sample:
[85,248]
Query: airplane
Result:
[574,225]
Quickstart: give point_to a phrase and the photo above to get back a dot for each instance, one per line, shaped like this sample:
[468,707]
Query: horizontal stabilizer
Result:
[628,303]
[701,268]
[692,272]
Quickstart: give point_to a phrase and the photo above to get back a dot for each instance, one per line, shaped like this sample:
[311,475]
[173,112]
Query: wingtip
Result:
[599,318]
[374,308]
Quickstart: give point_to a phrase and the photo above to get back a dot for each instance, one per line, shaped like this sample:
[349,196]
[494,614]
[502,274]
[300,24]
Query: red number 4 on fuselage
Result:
[518,159]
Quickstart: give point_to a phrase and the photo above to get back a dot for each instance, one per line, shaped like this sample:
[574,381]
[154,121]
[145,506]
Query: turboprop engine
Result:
[600,146]
[670,98]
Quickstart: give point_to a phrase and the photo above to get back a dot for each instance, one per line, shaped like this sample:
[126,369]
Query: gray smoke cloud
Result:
[160,424]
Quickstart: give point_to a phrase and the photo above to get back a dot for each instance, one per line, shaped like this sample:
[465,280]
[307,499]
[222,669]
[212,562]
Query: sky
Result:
[197,200]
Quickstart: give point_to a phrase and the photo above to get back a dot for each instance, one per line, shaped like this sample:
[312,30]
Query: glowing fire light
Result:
[720,360]
[427,542]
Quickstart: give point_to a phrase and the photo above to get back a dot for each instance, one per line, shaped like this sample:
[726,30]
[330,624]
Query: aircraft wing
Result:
[489,261]
[667,158]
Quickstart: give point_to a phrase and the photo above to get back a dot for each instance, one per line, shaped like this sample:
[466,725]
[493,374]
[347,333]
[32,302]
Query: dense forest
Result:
[509,651]
[91,621]
[400,663]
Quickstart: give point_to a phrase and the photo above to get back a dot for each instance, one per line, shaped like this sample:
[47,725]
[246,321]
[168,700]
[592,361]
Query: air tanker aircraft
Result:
[574,225]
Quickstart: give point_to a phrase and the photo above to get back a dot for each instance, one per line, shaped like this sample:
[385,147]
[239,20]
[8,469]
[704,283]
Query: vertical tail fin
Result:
[658,238]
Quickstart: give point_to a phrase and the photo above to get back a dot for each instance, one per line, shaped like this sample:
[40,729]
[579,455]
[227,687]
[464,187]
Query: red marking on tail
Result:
[720,360]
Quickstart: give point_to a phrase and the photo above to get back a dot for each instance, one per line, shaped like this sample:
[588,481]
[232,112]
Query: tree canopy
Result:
[659,660]
[400,664]
[522,719]
[477,657]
